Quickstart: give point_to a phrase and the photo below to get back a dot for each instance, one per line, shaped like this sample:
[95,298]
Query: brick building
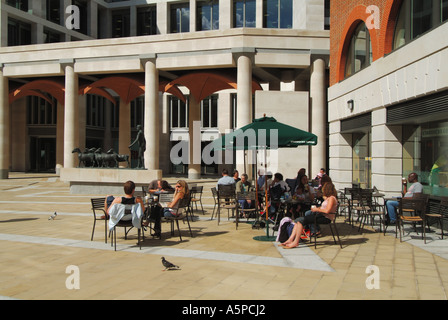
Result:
[388,97]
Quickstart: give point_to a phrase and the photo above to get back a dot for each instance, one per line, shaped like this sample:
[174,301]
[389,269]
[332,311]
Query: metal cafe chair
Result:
[184,206]
[246,196]
[98,212]
[411,210]
[126,224]
[196,196]
[226,200]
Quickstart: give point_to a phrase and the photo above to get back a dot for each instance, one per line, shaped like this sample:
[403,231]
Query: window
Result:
[82,5]
[208,15]
[120,24]
[146,21]
[359,54]
[425,152]
[138,112]
[41,112]
[417,17]
[54,11]
[178,113]
[18,4]
[19,33]
[244,14]
[95,113]
[362,160]
[51,37]
[277,14]
[180,18]
[444,10]
[327,15]
[209,112]
[421,17]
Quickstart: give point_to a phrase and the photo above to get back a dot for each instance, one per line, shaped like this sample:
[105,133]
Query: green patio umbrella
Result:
[258,134]
[264,134]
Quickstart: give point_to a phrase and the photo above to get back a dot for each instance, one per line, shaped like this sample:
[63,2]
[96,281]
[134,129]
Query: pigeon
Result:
[168,265]
[52,217]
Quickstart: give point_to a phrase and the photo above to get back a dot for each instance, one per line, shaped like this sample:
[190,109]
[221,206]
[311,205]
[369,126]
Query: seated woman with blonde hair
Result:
[169,211]
[323,214]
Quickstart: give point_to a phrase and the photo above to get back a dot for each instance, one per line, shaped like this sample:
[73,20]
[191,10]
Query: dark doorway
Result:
[43,154]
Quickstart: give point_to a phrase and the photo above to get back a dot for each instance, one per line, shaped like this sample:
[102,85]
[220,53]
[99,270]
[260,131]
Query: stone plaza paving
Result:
[38,256]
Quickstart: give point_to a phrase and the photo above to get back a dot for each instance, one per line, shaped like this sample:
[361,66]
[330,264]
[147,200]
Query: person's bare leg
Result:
[298,228]
[292,237]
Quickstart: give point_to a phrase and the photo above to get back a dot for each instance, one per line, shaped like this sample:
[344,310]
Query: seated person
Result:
[129,189]
[278,180]
[170,210]
[324,214]
[304,194]
[225,179]
[159,185]
[416,187]
[244,186]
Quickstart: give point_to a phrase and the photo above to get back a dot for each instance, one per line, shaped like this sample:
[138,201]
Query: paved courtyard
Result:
[41,258]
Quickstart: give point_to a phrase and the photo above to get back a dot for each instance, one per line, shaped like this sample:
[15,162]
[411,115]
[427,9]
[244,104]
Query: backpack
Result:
[284,232]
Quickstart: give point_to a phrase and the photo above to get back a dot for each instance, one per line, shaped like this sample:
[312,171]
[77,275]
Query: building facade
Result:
[84,74]
[388,97]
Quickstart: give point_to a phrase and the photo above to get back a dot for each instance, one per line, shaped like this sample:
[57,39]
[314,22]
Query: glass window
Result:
[41,112]
[180,18]
[178,113]
[19,33]
[82,5]
[362,160]
[422,11]
[147,21]
[18,4]
[359,54]
[277,14]
[208,15]
[425,152]
[54,11]
[209,112]
[51,37]
[444,9]
[400,29]
[120,23]
[244,14]
[417,17]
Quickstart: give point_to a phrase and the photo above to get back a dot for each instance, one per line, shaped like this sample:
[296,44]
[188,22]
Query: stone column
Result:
[152,115]
[71,122]
[387,154]
[4,126]
[318,115]
[194,129]
[124,128]
[244,100]
[59,138]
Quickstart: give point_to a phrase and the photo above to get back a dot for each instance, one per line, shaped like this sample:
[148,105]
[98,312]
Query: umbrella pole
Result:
[266,237]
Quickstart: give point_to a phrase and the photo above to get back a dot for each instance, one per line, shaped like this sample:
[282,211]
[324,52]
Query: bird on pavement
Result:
[52,217]
[168,265]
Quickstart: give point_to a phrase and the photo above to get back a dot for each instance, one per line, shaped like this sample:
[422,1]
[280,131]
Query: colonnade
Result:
[244,60]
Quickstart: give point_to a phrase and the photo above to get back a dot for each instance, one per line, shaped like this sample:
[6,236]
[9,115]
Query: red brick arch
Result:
[358,14]
[389,20]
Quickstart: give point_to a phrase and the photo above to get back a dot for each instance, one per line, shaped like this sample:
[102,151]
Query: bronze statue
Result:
[140,139]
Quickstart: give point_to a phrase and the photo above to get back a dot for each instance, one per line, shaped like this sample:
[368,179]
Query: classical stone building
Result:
[388,97]
[83,74]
